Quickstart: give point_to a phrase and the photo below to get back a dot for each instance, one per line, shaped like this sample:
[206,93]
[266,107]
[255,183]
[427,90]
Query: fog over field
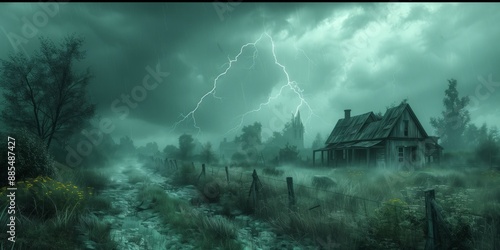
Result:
[339,56]
[250,125]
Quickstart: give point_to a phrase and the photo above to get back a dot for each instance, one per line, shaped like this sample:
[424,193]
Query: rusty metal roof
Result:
[366,127]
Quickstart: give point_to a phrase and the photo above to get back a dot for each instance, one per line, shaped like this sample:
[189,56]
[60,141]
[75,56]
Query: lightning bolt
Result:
[292,85]
[214,88]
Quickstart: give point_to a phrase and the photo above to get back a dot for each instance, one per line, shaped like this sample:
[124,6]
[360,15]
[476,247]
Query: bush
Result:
[97,233]
[273,171]
[45,198]
[91,179]
[487,153]
[31,157]
[396,226]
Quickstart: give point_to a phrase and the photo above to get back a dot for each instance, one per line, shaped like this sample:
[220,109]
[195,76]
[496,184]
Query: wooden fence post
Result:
[176,166]
[227,175]
[202,171]
[430,215]
[254,189]
[291,194]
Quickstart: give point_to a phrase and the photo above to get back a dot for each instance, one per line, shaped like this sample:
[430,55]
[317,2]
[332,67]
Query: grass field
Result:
[369,208]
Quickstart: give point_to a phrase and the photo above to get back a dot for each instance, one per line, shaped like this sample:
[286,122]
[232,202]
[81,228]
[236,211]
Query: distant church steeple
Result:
[295,135]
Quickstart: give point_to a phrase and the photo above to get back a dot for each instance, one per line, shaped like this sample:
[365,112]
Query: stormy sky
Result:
[155,63]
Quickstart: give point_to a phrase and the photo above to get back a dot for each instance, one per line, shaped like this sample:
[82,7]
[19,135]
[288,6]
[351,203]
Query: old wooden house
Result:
[395,139]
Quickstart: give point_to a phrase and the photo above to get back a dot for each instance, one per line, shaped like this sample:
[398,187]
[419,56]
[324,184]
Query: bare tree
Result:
[43,93]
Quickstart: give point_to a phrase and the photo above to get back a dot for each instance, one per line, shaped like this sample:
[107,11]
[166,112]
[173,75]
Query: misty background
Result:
[362,57]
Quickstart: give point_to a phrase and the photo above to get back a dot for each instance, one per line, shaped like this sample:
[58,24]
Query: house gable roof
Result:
[367,127]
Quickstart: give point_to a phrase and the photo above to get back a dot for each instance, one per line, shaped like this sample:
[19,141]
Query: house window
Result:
[400,154]
[406,122]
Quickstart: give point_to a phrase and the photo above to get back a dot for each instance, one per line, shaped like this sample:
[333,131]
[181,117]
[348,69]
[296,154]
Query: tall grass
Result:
[375,208]
[214,232]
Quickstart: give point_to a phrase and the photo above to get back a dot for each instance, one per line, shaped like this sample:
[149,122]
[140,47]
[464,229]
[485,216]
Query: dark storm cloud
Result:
[358,56]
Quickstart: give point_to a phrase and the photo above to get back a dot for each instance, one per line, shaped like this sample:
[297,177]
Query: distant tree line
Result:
[458,134]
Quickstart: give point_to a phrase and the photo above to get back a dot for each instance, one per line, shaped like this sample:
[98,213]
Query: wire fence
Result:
[457,229]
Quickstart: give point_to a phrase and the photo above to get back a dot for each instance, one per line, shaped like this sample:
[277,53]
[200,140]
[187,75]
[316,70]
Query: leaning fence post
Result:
[227,175]
[430,243]
[202,171]
[253,190]
[291,194]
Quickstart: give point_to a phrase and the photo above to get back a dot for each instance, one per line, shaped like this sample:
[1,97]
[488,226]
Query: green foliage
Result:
[186,147]
[44,197]
[44,234]
[273,171]
[97,232]
[212,231]
[31,157]
[43,94]
[91,179]
[208,155]
[487,153]
[455,118]
[250,140]
[396,226]
[171,151]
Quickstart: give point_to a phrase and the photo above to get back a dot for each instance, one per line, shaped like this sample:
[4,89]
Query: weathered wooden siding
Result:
[392,149]
[413,131]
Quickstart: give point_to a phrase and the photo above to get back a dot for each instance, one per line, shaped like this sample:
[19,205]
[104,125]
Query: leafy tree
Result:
[276,140]
[318,141]
[171,151]
[486,144]
[455,118]
[208,155]
[186,147]
[251,140]
[43,93]
[471,136]
[487,153]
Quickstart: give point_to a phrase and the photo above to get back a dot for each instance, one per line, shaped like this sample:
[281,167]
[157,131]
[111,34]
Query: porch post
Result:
[314,157]
[322,160]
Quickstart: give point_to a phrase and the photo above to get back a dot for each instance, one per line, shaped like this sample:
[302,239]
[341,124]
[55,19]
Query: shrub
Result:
[395,225]
[31,157]
[91,179]
[44,198]
[273,171]
[96,231]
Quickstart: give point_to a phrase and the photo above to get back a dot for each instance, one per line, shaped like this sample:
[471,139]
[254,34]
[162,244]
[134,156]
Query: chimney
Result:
[347,113]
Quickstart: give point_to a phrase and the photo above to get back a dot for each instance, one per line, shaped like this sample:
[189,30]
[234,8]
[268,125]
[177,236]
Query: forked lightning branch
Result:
[292,85]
